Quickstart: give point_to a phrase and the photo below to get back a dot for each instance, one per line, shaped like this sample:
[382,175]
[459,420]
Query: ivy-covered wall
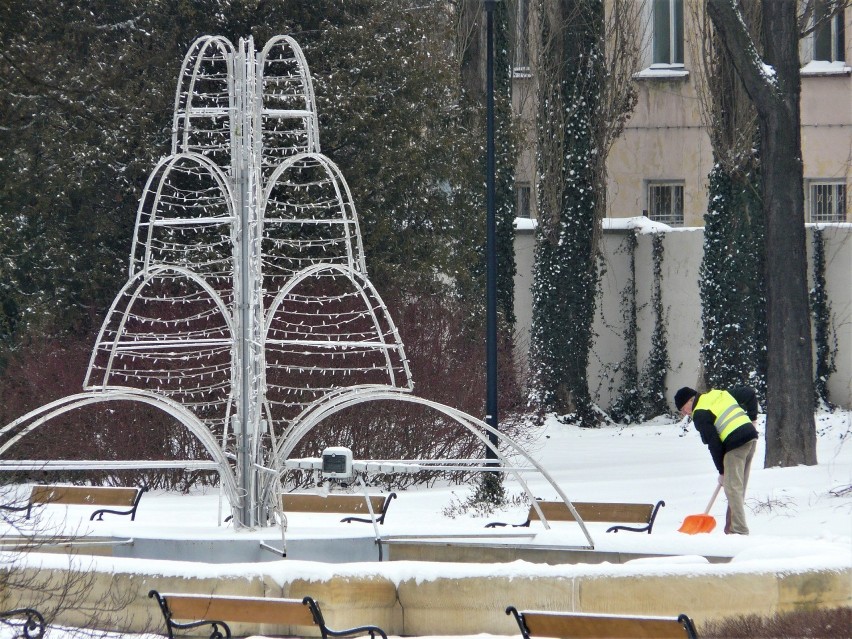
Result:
[682,251]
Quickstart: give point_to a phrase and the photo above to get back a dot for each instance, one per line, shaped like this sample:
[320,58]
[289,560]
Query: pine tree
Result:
[78,115]
[472,50]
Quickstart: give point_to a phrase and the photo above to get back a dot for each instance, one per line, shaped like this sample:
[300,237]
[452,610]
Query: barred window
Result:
[524,194]
[665,203]
[827,202]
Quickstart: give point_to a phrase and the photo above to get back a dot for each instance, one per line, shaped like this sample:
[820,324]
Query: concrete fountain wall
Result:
[403,599]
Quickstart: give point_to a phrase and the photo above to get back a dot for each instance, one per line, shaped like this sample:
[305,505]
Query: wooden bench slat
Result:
[350,504]
[591,511]
[249,610]
[582,627]
[643,514]
[84,495]
[110,496]
[578,625]
[309,503]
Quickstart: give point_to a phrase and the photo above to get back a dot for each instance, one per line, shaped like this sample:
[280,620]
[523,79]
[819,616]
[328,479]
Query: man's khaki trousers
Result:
[737,467]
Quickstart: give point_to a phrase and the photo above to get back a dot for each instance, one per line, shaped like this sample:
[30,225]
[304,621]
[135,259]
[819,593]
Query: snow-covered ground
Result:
[799,517]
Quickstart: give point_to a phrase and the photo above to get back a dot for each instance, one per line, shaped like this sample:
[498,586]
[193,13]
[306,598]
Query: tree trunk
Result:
[790,427]
[569,71]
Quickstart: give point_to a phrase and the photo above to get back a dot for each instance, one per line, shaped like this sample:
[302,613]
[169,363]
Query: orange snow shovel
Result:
[703,523]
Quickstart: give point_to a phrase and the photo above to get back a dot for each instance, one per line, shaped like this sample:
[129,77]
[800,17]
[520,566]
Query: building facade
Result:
[659,166]
[658,174]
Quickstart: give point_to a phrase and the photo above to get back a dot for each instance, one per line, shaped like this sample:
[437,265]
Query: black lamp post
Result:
[491,232]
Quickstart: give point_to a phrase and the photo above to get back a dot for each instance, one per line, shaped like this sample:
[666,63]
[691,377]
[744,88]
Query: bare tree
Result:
[625,27]
[732,279]
[57,594]
[814,14]
[727,112]
[623,32]
[774,86]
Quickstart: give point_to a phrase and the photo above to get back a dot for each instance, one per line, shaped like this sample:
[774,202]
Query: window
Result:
[523,193]
[829,34]
[827,201]
[522,37]
[668,32]
[665,203]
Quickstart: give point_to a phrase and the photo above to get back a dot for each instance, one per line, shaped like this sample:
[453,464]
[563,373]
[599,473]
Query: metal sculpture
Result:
[247,260]
[248,315]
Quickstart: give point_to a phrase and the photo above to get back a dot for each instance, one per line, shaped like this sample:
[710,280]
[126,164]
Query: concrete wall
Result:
[838,266]
[461,604]
[663,141]
[827,126]
[683,250]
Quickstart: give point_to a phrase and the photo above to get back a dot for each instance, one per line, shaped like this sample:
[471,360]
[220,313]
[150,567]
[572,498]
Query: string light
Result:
[174,330]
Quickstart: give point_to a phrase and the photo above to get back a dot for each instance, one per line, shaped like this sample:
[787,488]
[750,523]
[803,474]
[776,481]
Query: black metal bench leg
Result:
[687,624]
[215,633]
[132,511]
[519,617]
[646,528]
[379,520]
[32,627]
[328,632]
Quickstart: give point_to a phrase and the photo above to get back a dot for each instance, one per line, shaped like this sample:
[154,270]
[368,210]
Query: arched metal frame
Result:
[366,290]
[148,220]
[135,286]
[224,226]
[308,112]
[348,397]
[28,423]
[206,50]
[347,215]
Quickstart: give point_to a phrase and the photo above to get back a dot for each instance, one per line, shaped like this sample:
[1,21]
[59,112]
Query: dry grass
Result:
[835,623]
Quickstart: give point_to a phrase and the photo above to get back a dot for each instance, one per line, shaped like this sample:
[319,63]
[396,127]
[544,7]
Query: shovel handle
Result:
[713,498]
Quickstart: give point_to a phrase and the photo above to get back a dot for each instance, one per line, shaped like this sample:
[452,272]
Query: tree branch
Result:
[760,86]
[808,21]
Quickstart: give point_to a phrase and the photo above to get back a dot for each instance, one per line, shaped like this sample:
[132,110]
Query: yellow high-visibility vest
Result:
[729,414]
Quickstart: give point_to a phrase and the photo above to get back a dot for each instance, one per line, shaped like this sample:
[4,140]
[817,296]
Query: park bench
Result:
[568,625]
[644,514]
[216,610]
[117,497]
[338,503]
[30,620]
